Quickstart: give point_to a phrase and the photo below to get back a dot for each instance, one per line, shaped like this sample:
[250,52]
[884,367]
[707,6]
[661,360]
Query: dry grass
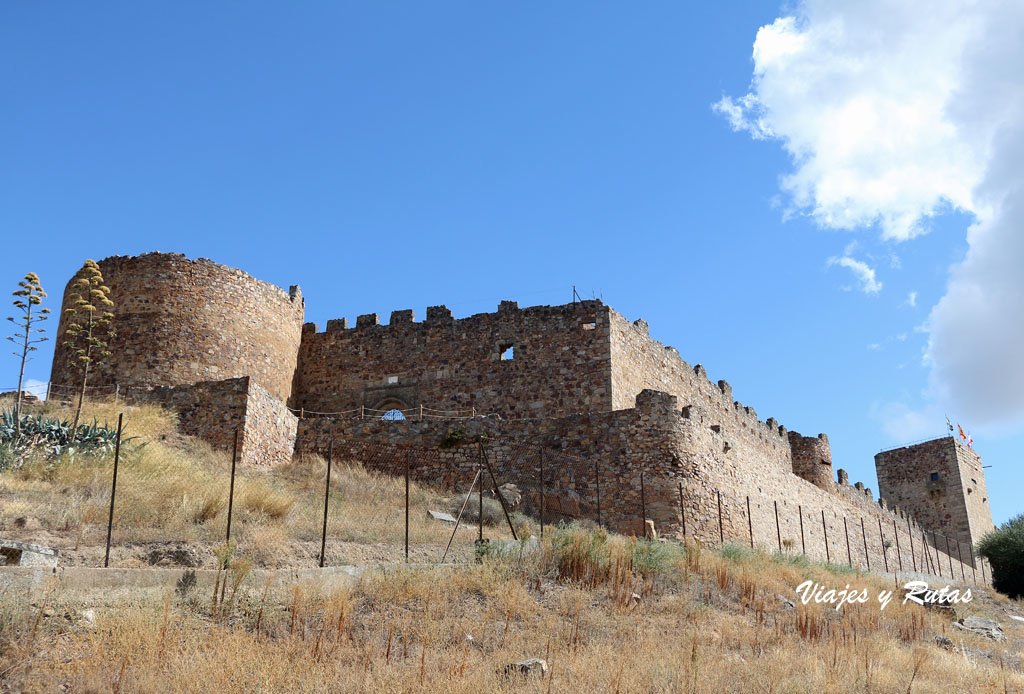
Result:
[173,488]
[406,631]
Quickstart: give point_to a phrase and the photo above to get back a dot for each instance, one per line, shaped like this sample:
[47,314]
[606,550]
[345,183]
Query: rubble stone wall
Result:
[181,321]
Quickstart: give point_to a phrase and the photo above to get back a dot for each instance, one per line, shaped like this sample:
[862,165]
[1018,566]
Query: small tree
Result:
[89,326]
[29,295]
[1004,549]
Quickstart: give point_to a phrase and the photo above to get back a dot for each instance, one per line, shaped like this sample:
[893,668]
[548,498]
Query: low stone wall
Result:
[215,410]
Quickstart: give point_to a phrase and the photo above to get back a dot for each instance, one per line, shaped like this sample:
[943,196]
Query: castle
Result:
[231,353]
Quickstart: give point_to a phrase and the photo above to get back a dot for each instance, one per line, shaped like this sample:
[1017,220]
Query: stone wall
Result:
[214,410]
[181,321]
[559,365]
[941,482]
[687,473]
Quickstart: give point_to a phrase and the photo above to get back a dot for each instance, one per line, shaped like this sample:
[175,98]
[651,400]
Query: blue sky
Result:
[388,156]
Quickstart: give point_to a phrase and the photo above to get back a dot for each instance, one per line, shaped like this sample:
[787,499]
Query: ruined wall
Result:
[687,472]
[560,364]
[181,321]
[215,410]
[640,362]
[812,459]
[941,482]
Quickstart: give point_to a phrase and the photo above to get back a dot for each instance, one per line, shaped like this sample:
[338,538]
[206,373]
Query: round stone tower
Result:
[181,321]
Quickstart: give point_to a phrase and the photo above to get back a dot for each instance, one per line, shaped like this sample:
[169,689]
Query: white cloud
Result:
[903,424]
[894,112]
[912,299]
[865,273]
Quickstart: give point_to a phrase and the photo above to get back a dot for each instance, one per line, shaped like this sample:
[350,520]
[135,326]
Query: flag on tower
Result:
[970,439]
[962,434]
[949,425]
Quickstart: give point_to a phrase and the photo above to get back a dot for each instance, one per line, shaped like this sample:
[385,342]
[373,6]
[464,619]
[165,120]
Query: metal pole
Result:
[778,531]
[803,545]
[327,497]
[927,554]
[949,555]
[824,528]
[542,496]
[849,555]
[910,533]
[864,536]
[643,504]
[458,519]
[899,554]
[721,535]
[682,508]
[750,524]
[938,559]
[113,489]
[408,464]
[497,490]
[960,557]
[231,490]
[597,482]
[974,564]
[881,540]
[480,510]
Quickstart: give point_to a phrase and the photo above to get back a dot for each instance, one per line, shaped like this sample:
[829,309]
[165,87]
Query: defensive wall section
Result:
[230,353]
[543,361]
[181,321]
[943,481]
[687,478]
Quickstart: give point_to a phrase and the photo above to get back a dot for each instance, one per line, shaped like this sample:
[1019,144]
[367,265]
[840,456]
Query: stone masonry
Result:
[228,351]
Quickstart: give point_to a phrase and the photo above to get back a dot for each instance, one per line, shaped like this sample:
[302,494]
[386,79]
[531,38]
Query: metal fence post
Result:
[682,508]
[778,531]
[910,534]
[231,489]
[643,505]
[408,455]
[974,564]
[541,455]
[750,524]
[960,557]
[721,534]
[864,536]
[597,483]
[480,510]
[824,529]
[803,545]
[113,489]
[327,497]
[849,555]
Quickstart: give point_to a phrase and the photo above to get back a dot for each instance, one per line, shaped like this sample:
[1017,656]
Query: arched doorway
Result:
[392,409]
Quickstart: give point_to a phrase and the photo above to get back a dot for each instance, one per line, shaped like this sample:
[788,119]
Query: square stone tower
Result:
[941,483]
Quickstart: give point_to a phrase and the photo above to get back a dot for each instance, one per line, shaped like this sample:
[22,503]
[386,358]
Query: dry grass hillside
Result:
[607,613]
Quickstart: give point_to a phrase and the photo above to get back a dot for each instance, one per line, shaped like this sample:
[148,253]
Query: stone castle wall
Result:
[215,410]
[955,502]
[686,472]
[560,363]
[181,321]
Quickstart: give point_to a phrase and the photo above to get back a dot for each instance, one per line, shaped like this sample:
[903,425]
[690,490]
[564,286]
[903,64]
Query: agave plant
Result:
[53,436]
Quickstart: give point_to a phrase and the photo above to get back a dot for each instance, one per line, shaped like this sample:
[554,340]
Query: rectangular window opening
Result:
[590,326]
[935,477]
[508,352]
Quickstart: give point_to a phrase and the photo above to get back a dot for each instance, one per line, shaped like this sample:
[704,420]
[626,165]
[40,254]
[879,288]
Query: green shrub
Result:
[1004,550]
[493,515]
[735,552]
[51,437]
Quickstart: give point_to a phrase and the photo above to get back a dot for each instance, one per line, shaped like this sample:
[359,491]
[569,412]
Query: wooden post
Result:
[778,531]
[362,411]
[113,489]
[824,528]
[421,412]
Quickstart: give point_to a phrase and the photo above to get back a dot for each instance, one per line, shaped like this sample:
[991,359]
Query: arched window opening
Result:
[393,414]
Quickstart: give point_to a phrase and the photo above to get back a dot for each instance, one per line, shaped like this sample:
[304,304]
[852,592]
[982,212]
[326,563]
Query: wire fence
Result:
[364,501]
